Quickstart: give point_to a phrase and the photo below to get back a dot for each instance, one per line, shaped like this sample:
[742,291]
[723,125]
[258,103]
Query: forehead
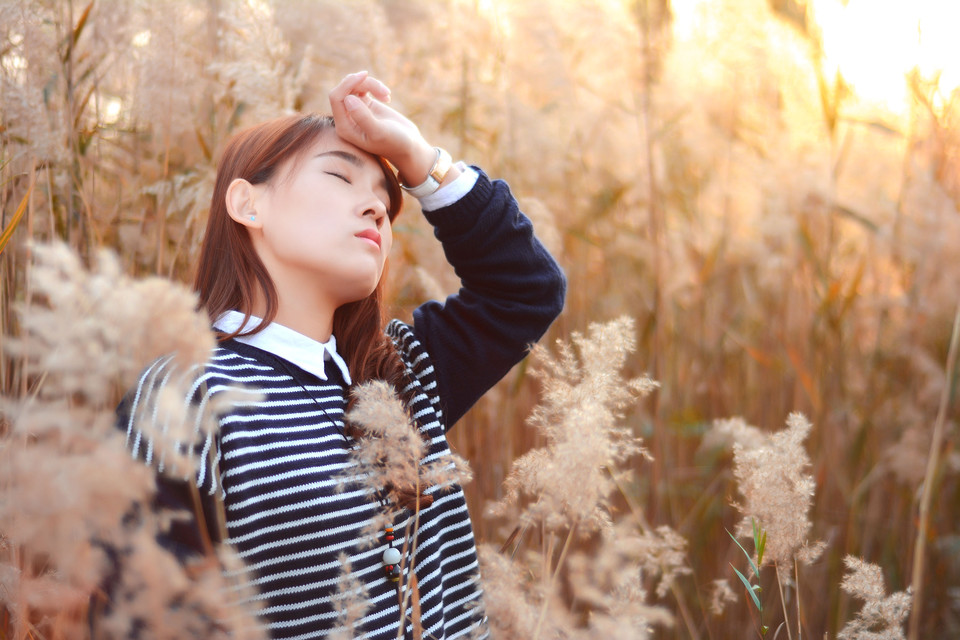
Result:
[330,145]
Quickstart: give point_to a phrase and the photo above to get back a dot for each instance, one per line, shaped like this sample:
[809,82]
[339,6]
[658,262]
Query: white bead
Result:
[391,556]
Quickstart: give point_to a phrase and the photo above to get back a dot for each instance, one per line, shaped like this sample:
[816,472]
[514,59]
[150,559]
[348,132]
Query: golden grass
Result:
[780,250]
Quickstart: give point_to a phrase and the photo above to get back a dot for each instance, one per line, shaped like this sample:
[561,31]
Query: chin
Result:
[359,292]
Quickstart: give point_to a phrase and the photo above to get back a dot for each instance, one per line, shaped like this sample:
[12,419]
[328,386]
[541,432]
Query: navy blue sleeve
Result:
[511,291]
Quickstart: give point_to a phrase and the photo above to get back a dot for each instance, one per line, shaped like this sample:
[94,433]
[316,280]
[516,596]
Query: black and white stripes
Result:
[280,464]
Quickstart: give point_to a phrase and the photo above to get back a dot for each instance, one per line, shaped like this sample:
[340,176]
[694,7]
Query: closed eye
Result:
[337,175]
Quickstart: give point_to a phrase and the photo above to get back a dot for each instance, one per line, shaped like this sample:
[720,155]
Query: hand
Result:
[364,119]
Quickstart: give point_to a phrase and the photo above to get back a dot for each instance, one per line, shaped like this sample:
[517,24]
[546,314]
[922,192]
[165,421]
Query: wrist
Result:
[437,174]
[414,166]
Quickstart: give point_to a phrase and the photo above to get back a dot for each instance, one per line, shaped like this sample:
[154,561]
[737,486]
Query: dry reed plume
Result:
[882,615]
[74,505]
[565,488]
[771,472]
[390,452]
[568,481]
[778,492]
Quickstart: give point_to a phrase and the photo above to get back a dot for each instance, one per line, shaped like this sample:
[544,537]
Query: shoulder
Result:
[423,391]
[414,355]
[194,382]
[175,407]
[412,352]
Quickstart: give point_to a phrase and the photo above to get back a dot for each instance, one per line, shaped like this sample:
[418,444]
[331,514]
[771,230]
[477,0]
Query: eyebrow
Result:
[353,159]
[344,155]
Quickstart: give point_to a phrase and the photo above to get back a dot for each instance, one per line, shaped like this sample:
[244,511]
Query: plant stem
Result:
[405,589]
[553,579]
[796,579]
[932,463]
[783,603]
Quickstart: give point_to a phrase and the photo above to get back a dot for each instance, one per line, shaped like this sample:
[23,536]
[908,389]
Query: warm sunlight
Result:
[874,43]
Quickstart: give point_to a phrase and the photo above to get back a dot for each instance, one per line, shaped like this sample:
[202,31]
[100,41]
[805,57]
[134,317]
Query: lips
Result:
[370,234]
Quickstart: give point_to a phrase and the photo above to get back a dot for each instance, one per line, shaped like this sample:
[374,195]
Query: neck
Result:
[302,308]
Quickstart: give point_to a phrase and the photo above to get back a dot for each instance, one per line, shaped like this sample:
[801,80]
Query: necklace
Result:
[391,558]
[412,499]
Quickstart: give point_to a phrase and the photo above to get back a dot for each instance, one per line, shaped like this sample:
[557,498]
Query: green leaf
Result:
[761,548]
[756,572]
[749,587]
[759,541]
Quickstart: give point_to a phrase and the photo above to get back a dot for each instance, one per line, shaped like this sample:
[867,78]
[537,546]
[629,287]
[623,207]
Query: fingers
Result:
[364,119]
[360,84]
[350,104]
[377,89]
[358,111]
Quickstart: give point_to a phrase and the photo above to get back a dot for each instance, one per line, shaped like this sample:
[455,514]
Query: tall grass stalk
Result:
[407,587]
[783,603]
[566,488]
[930,477]
[552,574]
[390,453]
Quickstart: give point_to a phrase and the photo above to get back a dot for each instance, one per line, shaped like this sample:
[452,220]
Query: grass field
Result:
[779,255]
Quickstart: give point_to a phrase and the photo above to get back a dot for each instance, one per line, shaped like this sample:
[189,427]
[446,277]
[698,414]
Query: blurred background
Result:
[769,187]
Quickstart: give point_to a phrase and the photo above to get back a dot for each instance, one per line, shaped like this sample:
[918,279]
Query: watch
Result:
[437,173]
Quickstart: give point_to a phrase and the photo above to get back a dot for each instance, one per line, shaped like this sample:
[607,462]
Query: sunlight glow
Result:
[142,39]
[12,62]
[111,111]
[261,8]
[875,43]
[872,43]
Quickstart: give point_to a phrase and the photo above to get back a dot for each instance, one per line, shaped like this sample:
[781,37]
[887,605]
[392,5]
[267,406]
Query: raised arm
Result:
[512,288]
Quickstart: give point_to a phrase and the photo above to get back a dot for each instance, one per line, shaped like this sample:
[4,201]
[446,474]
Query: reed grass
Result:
[780,248]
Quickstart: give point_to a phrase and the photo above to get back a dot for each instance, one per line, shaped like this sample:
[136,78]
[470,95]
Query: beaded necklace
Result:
[391,556]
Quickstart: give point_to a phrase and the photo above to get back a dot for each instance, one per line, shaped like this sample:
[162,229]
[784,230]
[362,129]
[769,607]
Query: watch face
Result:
[442,165]
[437,173]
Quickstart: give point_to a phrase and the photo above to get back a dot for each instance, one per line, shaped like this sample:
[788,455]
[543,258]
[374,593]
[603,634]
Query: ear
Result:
[242,203]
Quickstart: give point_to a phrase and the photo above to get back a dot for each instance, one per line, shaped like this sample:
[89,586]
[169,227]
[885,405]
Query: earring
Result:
[252,218]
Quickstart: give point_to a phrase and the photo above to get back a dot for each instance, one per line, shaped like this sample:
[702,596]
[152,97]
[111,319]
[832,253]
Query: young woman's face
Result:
[324,222]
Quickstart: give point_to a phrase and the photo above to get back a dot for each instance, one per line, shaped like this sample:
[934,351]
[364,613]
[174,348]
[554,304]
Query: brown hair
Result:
[229,270]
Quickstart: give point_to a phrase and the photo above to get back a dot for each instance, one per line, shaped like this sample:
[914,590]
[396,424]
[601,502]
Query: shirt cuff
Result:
[452,192]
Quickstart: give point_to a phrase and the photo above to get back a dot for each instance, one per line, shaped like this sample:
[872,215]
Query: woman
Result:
[291,275]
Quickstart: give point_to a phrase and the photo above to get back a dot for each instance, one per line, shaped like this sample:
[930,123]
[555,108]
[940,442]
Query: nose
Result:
[377,210]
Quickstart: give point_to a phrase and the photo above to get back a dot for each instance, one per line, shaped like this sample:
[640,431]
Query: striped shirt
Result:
[292,506]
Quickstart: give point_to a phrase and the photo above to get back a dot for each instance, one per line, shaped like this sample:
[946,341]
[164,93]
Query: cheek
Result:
[386,240]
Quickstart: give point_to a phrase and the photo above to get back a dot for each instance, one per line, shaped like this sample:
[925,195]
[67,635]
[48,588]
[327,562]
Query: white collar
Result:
[283,342]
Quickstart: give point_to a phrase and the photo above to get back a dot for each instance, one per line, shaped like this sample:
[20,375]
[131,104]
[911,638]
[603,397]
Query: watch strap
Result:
[436,175]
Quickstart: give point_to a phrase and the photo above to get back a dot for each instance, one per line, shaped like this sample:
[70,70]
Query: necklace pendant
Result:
[391,564]
[392,572]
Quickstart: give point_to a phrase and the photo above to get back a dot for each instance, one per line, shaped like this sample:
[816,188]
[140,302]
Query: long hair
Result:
[230,273]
